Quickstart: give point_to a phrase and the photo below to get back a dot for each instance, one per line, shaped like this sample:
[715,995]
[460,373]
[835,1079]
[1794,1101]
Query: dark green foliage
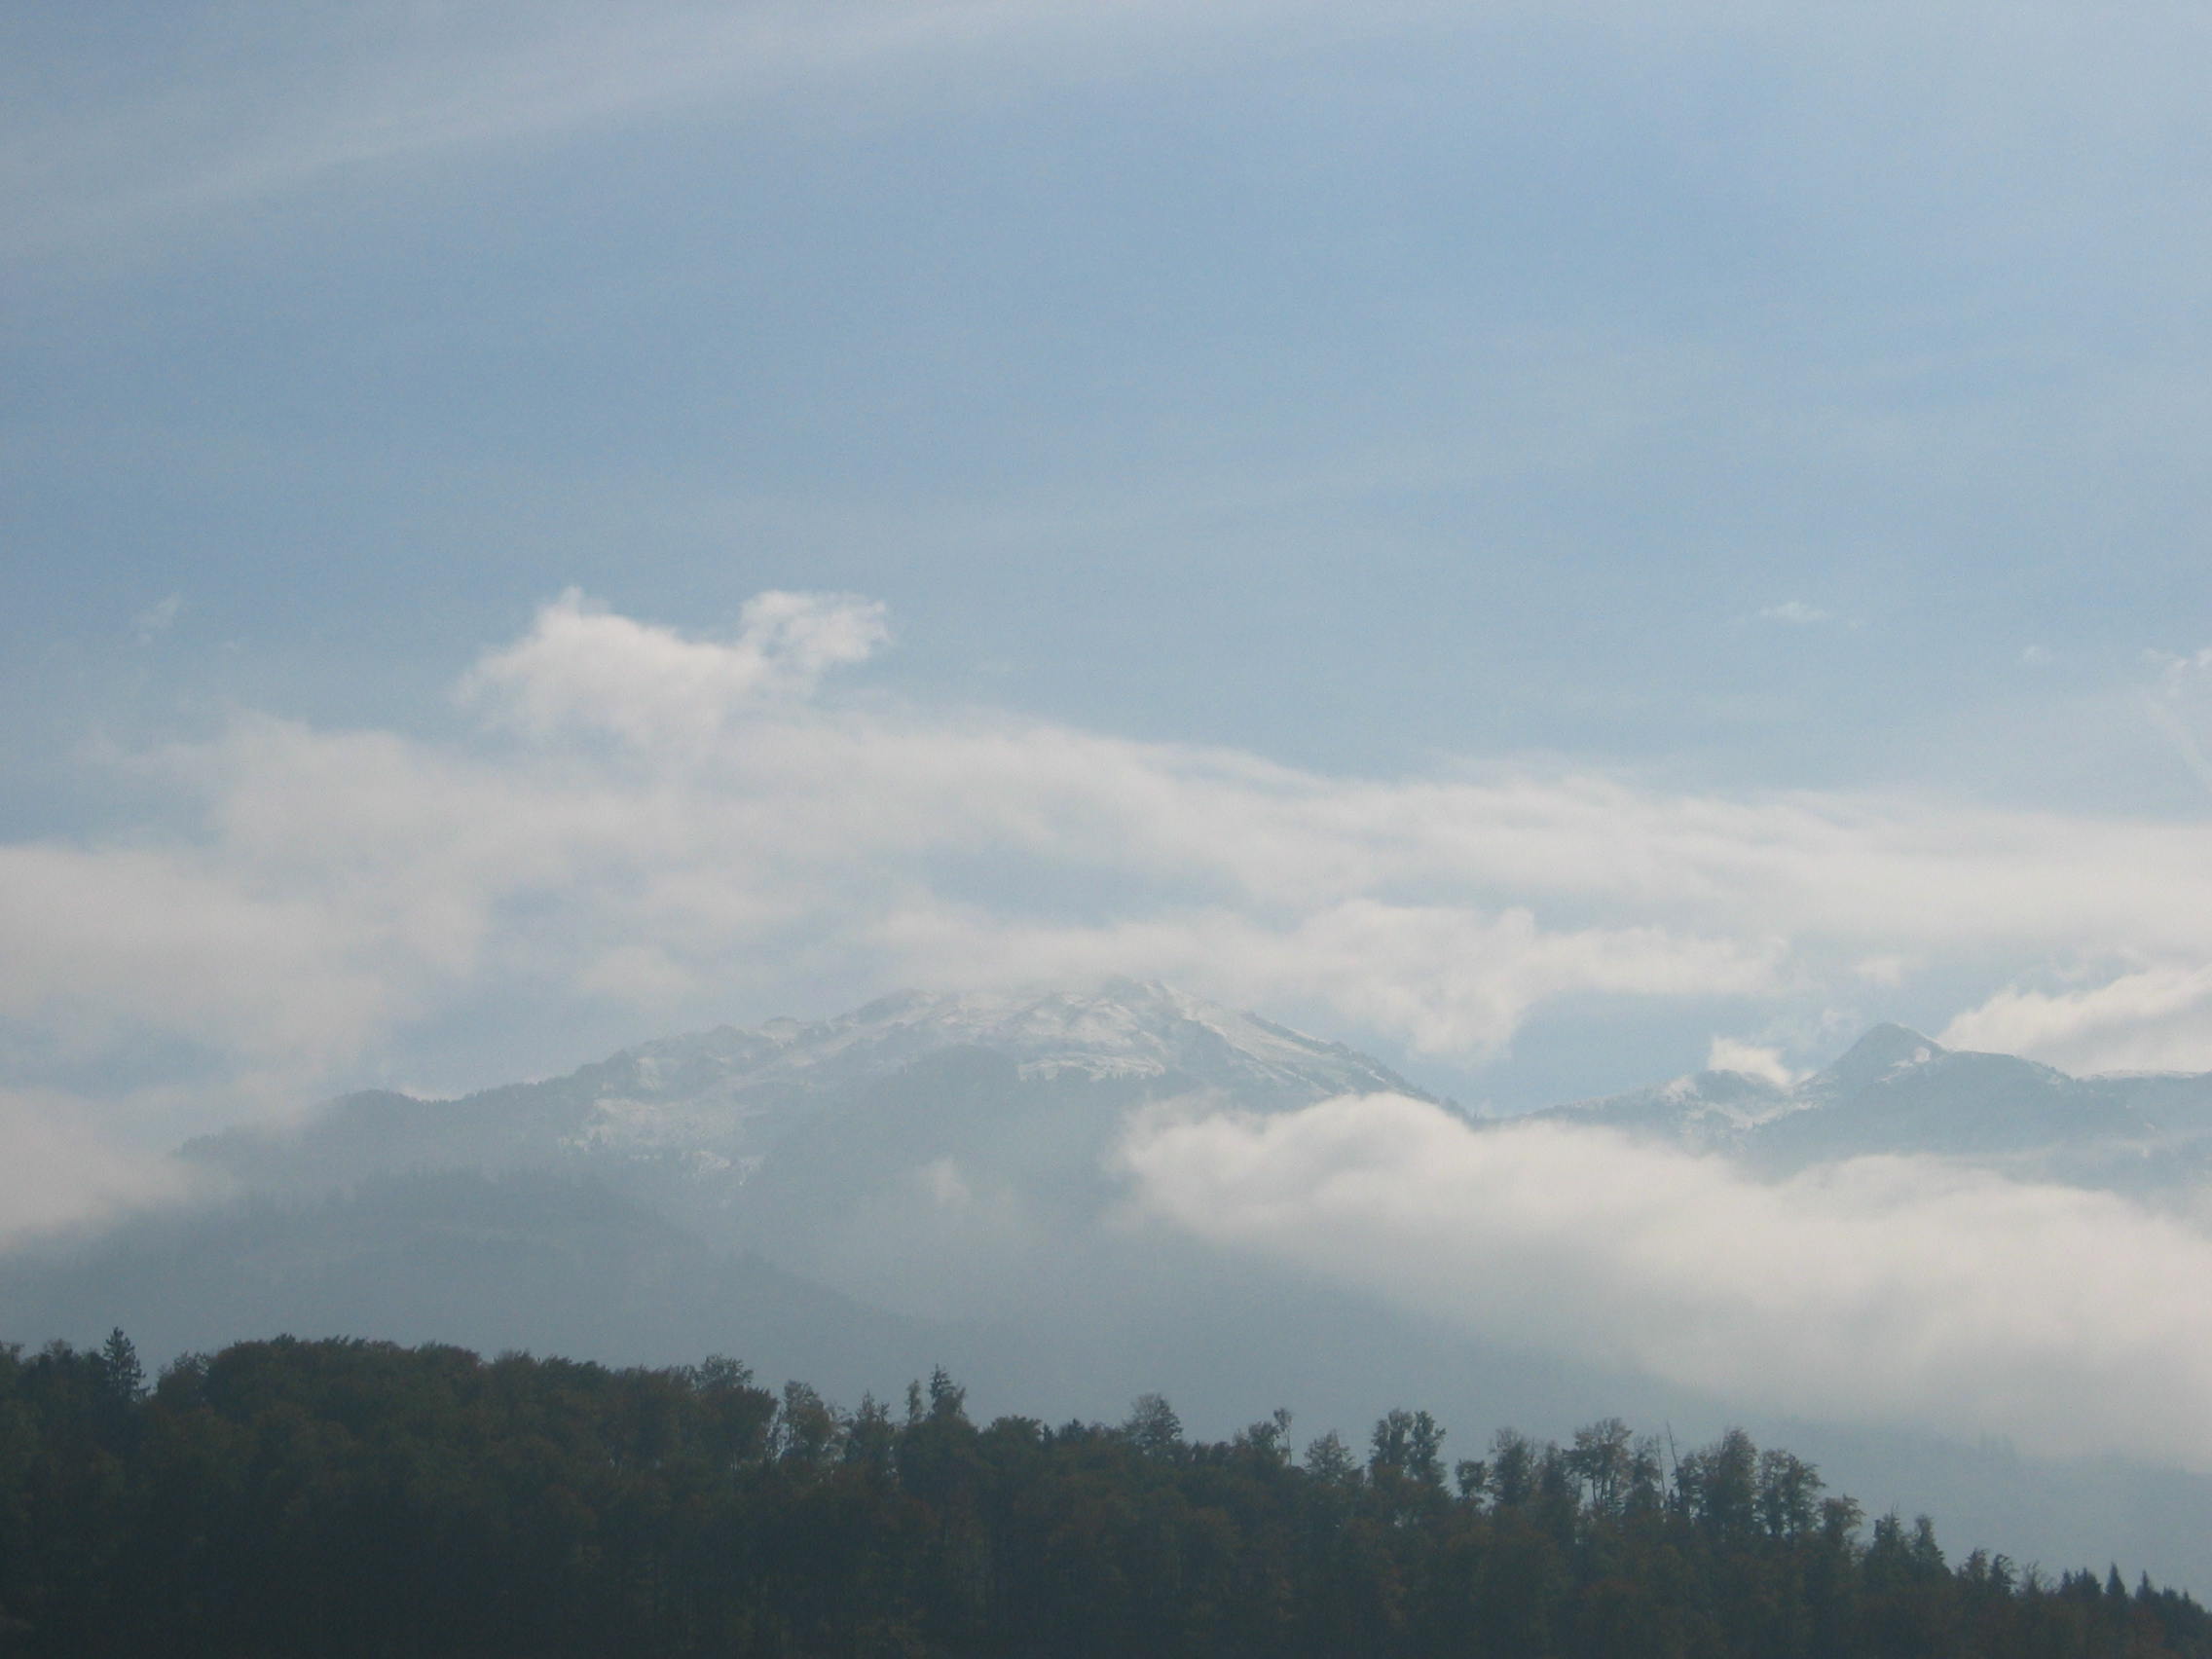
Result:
[349,1498]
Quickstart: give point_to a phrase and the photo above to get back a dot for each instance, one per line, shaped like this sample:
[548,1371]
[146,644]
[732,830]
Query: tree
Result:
[1270,1437]
[1152,1427]
[121,1374]
[871,1439]
[806,1430]
[1720,1483]
[1512,1468]
[948,1401]
[354,1497]
[1601,1461]
[1788,1495]
[1329,1461]
[1409,1444]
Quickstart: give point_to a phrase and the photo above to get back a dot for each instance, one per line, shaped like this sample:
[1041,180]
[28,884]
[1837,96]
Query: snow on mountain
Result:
[1029,1086]
[719,1102]
[1122,1028]
[1896,1091]
[1152,1041]
[1709,1109]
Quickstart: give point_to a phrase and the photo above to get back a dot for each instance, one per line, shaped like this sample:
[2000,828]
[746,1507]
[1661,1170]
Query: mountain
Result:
[1895,1092]
[924,1180]
[717,1106]
[924,1153]
[930,1179]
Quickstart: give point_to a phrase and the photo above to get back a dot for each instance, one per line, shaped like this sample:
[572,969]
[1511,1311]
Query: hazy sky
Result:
[1530,537]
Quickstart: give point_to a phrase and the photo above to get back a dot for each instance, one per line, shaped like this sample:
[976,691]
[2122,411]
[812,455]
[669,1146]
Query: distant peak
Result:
[1883,1050]
[1115,990]
[1894,1043]
[1106,1028]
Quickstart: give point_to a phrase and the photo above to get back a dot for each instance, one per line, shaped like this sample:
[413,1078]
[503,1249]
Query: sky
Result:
[1557,543]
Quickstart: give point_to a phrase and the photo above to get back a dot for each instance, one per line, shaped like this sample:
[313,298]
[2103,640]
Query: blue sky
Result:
[1761,449]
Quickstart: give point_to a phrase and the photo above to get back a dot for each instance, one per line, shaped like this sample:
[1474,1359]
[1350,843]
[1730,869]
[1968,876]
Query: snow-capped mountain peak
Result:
[722,1101]
[1114,1028]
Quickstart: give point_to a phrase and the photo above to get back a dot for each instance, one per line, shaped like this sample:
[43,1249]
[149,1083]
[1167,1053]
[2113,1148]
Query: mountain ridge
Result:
[939,1188]
[1896,1091]
[706,1112]
[719,1101]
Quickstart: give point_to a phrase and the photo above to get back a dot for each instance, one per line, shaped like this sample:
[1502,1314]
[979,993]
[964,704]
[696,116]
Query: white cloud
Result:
[1448,981]
[103,940]
[63,1168]
[587,668]
[2157,1018]
[1884,1289]
[1729,1054]
[662,823]
[2180,706]
[1883,970]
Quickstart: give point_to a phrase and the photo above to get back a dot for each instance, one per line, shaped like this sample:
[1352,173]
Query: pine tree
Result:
[120,1371]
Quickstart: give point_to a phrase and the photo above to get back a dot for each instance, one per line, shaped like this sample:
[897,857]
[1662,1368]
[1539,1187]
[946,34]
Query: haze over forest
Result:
[1609,597]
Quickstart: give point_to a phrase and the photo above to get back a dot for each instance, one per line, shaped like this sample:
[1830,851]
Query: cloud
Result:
[2180,706]
[1883,1289]
[668,824]
[2157,1018]
[583,668]
[103,941]
[1446,980]
[61,1168]
[1727,1053]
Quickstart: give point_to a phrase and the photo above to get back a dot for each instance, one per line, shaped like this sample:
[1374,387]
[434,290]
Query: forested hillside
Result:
[353,1497]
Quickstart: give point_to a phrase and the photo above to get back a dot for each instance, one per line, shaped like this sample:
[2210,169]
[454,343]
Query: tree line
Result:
[343,1497]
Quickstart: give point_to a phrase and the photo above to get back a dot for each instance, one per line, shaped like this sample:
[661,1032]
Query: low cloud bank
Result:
[58,1168]
[644,821]
[1883,1290]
